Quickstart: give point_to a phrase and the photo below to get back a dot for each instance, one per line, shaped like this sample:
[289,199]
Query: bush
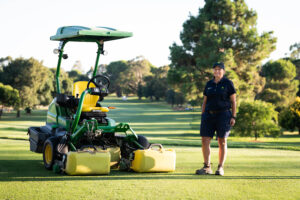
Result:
[256,118]
[289,118]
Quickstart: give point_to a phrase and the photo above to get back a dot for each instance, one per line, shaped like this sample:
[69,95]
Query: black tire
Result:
[142,140]
[50,152]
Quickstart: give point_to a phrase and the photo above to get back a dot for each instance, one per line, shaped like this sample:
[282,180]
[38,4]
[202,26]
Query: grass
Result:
[250,174]
[264,171]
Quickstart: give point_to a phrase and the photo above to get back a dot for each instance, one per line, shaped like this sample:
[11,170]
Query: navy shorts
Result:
[216,122]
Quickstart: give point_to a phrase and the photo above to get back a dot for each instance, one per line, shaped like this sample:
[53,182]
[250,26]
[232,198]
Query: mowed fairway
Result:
[251,173]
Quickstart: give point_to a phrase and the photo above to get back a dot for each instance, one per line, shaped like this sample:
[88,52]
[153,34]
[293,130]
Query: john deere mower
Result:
[78,137]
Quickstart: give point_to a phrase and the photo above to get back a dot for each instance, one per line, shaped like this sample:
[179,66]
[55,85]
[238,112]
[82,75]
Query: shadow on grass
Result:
[169,135]
[33,119]
[9,138]
[290,136]
[13,129]
[33,170]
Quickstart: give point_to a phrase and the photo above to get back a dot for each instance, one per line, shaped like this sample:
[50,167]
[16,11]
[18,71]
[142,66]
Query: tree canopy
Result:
[281,86]
[28,76]
[125,76]
[9,96]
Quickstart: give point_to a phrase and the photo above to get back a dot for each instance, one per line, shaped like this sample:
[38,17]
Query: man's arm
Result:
[204,103]
[233,106]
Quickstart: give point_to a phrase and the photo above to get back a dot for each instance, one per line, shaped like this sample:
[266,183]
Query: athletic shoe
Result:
[220,171]
[206,169]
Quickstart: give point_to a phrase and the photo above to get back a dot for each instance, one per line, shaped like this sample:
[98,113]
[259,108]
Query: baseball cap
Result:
[219,64]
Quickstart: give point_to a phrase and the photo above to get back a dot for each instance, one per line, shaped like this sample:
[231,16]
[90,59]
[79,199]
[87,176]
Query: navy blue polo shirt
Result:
[218,94]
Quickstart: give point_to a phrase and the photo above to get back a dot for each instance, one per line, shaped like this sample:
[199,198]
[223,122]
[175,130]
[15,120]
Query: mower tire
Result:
[50,152]
[142,140]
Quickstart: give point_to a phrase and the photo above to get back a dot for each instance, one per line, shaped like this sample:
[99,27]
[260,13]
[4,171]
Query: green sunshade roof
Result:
[88,34]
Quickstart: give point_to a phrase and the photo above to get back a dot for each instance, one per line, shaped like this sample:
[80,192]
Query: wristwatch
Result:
[233,117]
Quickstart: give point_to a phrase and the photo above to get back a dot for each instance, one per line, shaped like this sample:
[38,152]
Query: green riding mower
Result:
[78,137]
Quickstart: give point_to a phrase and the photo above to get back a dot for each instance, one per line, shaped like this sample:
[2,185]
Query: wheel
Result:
[142,140]
[49,152]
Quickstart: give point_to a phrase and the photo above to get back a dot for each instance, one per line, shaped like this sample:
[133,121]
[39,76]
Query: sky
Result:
[26,27]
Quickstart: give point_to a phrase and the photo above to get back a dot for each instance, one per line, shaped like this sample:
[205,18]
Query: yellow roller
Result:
[115,155]
[154,160]
[87,163]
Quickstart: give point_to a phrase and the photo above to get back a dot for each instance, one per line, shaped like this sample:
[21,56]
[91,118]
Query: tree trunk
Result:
[118,92]
[18,113]
[28,110]
[256,136]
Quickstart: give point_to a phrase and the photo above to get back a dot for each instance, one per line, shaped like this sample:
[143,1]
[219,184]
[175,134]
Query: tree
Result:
[137,69]
[66,82]
[114,71]
[224,30]
[3,61]
[170,97]
[126,75]
[256,118]
[8,97]
[297,65]
[78,67]
[28,76]
[156,84]
[289,118]
[76,75]
[295,51]
[149,87]
[281,86]
[179,99]
[140,91]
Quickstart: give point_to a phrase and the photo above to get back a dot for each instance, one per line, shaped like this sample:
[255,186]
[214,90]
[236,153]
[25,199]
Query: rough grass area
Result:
[261,171]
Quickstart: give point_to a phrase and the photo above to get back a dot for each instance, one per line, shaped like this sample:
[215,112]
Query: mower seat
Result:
[90,101]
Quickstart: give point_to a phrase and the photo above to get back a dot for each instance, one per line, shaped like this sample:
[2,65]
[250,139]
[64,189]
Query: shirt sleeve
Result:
[231,89]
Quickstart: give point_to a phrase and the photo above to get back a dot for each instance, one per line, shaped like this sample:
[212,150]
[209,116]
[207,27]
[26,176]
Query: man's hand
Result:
[232,122]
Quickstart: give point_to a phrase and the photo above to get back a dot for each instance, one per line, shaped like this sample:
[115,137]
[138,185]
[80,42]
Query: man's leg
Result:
[207,130]
[206,149]
[222,150]
[206,169]
[222,155]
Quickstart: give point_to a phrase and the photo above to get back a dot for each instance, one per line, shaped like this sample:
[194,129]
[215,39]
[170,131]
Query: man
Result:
[219,98]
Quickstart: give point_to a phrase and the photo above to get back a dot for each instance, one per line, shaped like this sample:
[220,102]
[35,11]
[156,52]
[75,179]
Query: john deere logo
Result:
[222,87]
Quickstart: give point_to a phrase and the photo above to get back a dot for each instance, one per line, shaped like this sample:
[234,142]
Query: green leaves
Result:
[289,118]
[281,86]
[256,118]
[279,70]
[126,75]
[9,96]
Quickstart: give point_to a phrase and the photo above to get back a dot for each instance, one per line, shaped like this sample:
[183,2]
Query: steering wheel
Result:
[102,84]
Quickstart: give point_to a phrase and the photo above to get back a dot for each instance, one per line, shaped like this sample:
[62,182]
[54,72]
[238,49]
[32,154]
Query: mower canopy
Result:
[88,34]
